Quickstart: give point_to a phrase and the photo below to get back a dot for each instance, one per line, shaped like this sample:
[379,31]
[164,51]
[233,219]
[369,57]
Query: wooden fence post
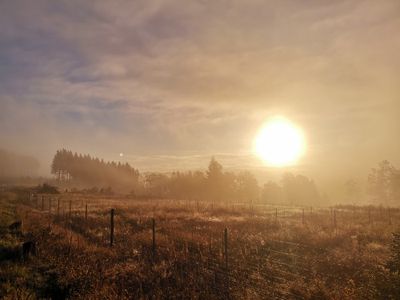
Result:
[226,248]
[112,227]
[153,227]
[334,219]
[70,208]
[86,211]
[58,206]
[210,243]
[369,215]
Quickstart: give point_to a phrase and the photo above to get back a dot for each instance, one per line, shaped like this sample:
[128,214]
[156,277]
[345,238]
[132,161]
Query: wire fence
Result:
[235,260]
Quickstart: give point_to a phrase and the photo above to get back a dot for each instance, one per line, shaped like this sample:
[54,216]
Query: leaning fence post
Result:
[112,227]
[153,228]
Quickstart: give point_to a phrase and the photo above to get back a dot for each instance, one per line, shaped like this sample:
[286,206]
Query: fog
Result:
[171,86]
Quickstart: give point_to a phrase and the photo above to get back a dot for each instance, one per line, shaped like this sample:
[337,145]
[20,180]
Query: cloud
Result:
[166,77]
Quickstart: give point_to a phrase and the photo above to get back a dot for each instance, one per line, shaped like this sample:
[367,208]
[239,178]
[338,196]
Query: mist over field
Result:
[213,149]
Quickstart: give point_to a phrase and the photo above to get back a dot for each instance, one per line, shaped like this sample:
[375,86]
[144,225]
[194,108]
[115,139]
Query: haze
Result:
[171,83]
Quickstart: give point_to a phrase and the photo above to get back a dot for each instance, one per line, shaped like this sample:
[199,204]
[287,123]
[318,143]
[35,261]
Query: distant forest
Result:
[83,169]
[212,185]
[17,165]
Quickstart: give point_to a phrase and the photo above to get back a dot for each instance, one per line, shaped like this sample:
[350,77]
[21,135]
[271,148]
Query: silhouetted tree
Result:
[272,193]
[299,189]
[383,182]
[215,180]
[247,187]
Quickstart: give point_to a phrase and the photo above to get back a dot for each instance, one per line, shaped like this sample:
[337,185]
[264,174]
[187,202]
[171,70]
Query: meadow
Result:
[163,248]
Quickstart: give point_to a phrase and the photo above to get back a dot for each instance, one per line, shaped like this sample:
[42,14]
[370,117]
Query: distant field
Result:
[196,250]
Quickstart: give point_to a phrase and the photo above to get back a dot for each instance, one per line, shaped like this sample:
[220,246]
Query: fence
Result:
[235,261]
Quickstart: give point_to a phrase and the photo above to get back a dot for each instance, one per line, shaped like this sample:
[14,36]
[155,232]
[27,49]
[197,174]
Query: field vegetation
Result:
[198,250]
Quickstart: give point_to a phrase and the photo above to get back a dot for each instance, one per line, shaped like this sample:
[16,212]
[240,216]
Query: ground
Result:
[268,251]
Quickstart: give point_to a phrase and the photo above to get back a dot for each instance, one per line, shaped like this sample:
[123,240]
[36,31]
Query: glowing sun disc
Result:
[279,143]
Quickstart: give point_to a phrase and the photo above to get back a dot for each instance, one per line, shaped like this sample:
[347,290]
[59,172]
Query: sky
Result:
[172,83]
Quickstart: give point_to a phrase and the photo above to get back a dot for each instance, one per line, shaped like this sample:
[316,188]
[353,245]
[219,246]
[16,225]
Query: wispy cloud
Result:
[165,77]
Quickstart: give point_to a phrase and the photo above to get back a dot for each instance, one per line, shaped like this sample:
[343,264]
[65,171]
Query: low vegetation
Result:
[270,252]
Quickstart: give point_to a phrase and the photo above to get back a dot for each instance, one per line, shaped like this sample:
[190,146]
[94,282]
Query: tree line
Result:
[214,184]
[81,169]
[218,186]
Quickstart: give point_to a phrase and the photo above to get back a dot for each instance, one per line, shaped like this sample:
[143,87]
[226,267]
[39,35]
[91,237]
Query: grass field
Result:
[197,250]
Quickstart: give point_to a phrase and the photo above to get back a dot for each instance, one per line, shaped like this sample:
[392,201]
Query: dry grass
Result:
[288,257]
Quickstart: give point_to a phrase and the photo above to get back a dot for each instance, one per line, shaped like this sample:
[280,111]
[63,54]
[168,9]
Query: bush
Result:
[394,262]
[46,189]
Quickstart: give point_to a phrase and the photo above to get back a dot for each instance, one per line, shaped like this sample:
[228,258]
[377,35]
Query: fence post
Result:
[70,208]
[334,218]
[86,211]
[58,206]
[112,227]
[153,227]
[369,215]
[226,248]
[210,243]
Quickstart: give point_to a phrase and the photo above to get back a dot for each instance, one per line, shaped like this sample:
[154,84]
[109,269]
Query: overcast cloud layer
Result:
[170,83]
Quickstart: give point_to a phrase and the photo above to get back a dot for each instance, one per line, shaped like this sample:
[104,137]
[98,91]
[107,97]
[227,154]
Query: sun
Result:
[279,143]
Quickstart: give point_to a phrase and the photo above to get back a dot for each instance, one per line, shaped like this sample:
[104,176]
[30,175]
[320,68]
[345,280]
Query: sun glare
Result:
[279,143]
